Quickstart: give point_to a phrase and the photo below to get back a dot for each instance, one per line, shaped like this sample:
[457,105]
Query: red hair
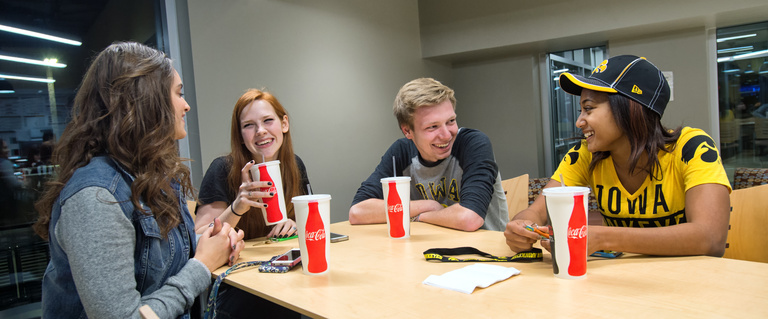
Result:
[252,223]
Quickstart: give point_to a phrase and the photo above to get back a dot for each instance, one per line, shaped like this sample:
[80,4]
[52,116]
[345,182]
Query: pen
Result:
[536,230]
[283,239]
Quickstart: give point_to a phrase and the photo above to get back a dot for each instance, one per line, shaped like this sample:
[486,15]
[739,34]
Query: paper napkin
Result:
[466,279]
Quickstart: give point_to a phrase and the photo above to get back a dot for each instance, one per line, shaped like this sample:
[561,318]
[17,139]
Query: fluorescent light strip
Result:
[26,78]
[39,35]
[46,62]
[735,49]
[7,91]
[559,71]
[751,54]
[736,37]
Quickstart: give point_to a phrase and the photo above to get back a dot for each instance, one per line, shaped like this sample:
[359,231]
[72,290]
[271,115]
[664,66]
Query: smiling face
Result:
[262,130]
[434,130]
[180,106]
[597,123]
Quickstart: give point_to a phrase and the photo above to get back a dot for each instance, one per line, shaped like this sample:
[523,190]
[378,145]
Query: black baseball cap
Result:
[629,75]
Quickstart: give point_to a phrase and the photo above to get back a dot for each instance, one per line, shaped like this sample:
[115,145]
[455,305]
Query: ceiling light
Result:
[559,71]
[26,78]
[6,87]
[39,35]
[756,54]
[751,55]
[729,50]
[47,62]
[736,37]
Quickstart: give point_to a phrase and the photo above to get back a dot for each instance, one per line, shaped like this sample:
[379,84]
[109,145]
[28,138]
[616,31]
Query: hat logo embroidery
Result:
[600,68]
[637,90]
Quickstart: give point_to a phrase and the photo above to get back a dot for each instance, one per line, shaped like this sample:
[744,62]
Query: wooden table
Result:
[373,276]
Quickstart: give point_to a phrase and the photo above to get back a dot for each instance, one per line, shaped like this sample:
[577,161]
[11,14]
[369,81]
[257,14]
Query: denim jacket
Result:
[155,258]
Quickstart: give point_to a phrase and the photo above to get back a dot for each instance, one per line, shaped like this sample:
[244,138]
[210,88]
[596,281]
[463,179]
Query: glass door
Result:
[742,69]
[564,108]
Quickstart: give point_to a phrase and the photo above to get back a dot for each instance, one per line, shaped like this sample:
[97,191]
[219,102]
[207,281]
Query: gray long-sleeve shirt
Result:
[100,241]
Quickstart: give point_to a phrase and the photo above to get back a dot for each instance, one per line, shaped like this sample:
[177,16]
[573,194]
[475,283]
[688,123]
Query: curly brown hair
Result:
[253,223]
[123,109]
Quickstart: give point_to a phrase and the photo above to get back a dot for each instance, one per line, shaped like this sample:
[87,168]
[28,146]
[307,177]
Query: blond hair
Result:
[417,93]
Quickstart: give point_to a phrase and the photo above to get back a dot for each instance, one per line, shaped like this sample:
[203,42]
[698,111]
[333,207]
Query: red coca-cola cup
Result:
[397,195]
[313,216]
[270,172]
[567,211]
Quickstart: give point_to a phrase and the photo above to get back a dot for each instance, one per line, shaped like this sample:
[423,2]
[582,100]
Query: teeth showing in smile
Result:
[588,134]
[263,142]
[442,145]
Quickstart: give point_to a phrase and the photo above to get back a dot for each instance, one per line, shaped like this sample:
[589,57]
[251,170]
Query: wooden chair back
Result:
[191,206]
[516,190]
[761,128]
[147,313]
[749,216]
[729,132]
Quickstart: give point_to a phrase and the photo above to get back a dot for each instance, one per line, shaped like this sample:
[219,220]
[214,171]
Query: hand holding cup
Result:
[249,194]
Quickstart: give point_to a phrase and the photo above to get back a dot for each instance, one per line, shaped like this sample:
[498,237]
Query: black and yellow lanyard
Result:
[441,254]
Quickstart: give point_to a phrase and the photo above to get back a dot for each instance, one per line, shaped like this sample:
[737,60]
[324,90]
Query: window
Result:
[742,67]
[564,108]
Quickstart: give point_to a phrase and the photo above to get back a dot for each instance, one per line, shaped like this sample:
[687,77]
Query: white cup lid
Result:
[309,198]
[396,179]
[565,191]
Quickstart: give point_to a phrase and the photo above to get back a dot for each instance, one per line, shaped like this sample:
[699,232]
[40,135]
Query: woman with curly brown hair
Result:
[119,232]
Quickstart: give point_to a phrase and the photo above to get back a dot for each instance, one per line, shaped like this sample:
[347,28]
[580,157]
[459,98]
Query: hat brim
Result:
[573,84]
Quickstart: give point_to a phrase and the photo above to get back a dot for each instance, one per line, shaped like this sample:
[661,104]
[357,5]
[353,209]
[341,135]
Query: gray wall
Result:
[684,53]
[335,65]
[499,97]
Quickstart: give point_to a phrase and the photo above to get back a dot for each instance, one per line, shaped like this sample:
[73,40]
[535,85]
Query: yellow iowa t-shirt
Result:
[657,203]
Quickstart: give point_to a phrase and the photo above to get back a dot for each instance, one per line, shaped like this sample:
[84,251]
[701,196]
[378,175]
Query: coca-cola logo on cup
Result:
[315,235]
[577,233]
[397,208]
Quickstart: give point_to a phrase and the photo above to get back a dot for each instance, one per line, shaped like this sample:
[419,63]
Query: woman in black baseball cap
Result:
[660,191]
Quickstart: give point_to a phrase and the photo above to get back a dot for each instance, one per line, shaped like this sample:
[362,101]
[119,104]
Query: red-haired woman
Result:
[260,131]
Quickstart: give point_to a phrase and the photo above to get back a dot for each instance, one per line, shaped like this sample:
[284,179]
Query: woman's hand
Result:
[520,239]
[215,249]
[283,230]
[235,239]
[249,194]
